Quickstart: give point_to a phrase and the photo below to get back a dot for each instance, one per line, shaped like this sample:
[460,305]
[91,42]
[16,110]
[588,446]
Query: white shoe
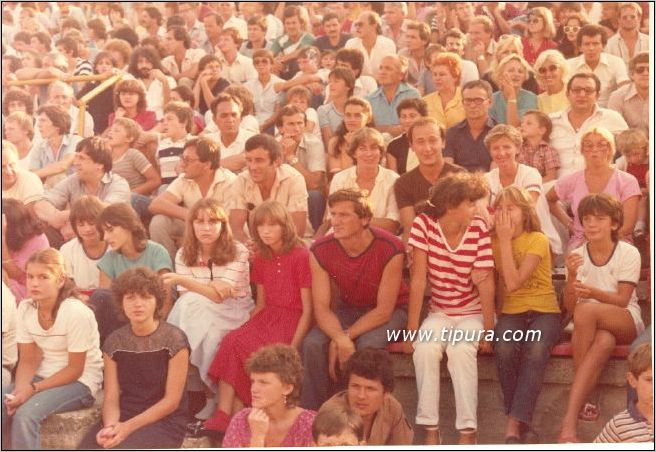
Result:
[208,410]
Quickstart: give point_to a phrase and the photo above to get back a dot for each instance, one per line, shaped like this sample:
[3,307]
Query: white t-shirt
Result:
[383,47]
[28,187]
[79,266]
[75,330]
[623,266]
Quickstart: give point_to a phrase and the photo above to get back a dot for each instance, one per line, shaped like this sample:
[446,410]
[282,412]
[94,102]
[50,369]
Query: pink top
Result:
[573,189]
[20,257]
[299,435]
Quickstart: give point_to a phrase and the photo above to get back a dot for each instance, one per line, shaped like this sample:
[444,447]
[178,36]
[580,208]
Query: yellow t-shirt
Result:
[537,293]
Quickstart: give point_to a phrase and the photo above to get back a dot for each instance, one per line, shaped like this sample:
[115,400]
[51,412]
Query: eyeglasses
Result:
[474,100]
[595,146]
[260,61]
[187,160]
[587,91]
[572,29]
[545,69]
[641,70]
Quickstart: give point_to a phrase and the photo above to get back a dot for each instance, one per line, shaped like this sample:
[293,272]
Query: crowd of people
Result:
[220,210]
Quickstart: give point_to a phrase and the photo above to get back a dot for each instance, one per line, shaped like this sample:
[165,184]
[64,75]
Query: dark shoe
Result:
[527,434]
[196,430]
[513,440]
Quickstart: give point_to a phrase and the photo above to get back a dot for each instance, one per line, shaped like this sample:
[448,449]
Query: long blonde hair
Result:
[521,198]
[224,250]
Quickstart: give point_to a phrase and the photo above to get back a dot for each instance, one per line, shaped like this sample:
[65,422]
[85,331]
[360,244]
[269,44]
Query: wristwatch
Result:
[293,160]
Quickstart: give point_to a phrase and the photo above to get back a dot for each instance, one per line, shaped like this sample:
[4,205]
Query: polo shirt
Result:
[382,48]
[385,112]
[112,189]
[413,187]
[187,193]
[611,71]
[470,153]
[168,157]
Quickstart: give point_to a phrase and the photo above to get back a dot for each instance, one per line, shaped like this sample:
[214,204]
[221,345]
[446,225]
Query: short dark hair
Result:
[353,57]
[224,97]
[123,215]
[424,121]
[69,45]
[329,16]
[452,190]
[282,360]
[43,38]
[207,150]
[591,30]
[18,95]
[346,75]
[182,111]
[217,18]
[98,27]
[372,364]
[142,281]
[127,34]
[154,13]
[180,34]
[59,117]
[359,198]
[639,58]
[98,151]
[482,84]
[603,204]
[586,75]
[86,208]
[416,103]
[266,142]
[336,418]
[174,21]
[288,110]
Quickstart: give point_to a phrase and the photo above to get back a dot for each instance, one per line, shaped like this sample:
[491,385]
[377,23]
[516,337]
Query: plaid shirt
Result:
[543,158]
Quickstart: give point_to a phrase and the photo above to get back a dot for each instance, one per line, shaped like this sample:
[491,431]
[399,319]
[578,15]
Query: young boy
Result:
[300,97]
[338,426]
[536,150]
[636,423]
[310,75]
[633,144]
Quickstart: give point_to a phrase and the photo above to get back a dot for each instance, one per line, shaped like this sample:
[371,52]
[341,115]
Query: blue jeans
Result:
[521,364]
[316,207]
[140,204]
[26,421]
[316,381]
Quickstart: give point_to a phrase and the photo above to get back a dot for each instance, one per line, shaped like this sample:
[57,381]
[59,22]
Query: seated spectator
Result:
[310,75]
[633,144]
[392,90]
[509,45]
[148,411]
[20,184]
[600,294]
[529,304]
[18,100]
[341,84]
[19,132]
[248,120]
[119,50]
[283,313]
[83,252]
[399,158]
[445,103]
[93,176]
[265,97]
[212,278]
[480,46]
[130,102]
[300,97]
[353,59]
[368,152]
[628,41]
[357,115]
[22,236]
[231,136]
[186,95]
[333,39]
[632,100]
[609,69]
[368,39]
[212,25]
[454,41]
[146,66]
[52,156]
[100,106]
[535,150]
[369,379]
[444,236]
[464,142]
[256,36]
[202,177]
[177,43]
[361,267]
[552,73]
[582,115]
[176,128]
[568,44]
[633,425]
[267,178]
[417,37]
[58,371]
[304,152]
[511,101]
[129,247]
[9,347]
[539,34]
[287,47]
[209,82]
[599,176]
[236,68]
[276,375]
[426,136]
[61,94]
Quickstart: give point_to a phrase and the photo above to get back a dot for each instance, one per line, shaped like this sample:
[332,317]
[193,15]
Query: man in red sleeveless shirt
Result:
[360,268]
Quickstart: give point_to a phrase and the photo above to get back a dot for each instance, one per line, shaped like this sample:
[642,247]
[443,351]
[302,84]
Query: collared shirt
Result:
[27,188]
[611,71]
[239,71]
[265,97]
[187,192]
[552,103]
[470,153]
[390,426]
[111,189]
[567,140]
[616,45]
[310,153]
[41,154]
[382,48]
[191,57]
[385,112]
[381,197]
[633,108]
[543,157]
[288,189]
[449,116]
[236,147]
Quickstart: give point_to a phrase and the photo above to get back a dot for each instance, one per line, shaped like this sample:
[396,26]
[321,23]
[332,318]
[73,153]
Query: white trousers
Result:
[462,365]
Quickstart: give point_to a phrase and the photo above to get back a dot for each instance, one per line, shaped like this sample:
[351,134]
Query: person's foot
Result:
[208,410]
[433,437]
[527,434]
[219,422]
[513,440]
[467,437]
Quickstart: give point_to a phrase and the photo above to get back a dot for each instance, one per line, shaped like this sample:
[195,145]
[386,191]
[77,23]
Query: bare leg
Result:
[226,394]
[512,427]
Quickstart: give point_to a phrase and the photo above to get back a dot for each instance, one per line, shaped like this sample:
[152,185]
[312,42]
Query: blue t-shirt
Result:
[154,257]
[526,100]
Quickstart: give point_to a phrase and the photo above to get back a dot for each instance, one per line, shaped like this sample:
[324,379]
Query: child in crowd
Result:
[633,144]
[184,94]
[310,75]
[451,247]
[146,362]
[83,252]
[300,96]
[176,131]
[536,150]
[528,303]
[283,313]
[338,425]
[211,274]
[636,423]
[328,60]
[600,294]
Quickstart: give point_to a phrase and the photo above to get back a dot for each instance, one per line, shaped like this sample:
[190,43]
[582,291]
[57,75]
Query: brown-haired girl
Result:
[130,102]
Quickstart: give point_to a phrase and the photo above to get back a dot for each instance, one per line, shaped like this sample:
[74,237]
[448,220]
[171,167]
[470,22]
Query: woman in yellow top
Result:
[445,104]
[552,72]
[528,304]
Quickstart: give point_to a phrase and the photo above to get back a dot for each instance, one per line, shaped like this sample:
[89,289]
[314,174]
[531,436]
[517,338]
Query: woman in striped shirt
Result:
[451,246]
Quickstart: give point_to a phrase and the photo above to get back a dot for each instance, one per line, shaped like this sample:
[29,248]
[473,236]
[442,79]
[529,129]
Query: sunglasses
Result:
[572,29]
[545,69]
[642,69]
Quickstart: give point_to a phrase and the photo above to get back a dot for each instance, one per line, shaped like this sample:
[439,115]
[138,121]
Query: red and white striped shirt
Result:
[449,270]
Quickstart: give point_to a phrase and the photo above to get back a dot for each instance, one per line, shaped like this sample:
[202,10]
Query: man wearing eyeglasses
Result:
[610,69]
[464,141]
[628,41]
[582,114]
[632,101]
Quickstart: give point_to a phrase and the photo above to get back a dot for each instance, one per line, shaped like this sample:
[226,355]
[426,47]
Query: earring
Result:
[284,399]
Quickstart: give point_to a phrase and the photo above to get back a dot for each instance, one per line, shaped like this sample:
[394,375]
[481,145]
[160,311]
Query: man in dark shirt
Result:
[334,39]
[409,110]
[464,141]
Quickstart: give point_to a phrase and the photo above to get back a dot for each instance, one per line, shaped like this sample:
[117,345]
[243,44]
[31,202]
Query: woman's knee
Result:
[604,341]
[585,314]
